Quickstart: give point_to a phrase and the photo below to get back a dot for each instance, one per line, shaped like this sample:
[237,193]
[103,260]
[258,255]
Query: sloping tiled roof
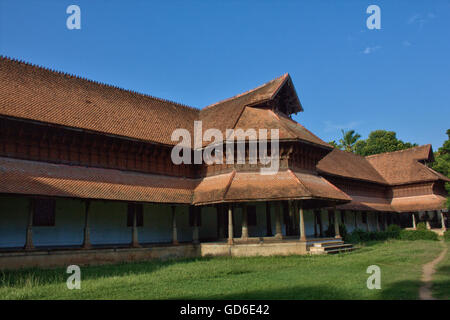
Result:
[40,178]
[349,165]
[401,167]
[262,118]
[418,203]
[224,114]
[35,93]
[39,94]
[367,204]
[252,186]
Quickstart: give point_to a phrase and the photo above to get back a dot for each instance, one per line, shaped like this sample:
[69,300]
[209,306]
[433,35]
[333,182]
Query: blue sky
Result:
[199,52]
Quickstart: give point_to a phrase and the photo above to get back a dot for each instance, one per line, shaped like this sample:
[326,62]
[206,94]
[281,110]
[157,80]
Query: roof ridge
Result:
[66,74]
[389,152]
[244,93]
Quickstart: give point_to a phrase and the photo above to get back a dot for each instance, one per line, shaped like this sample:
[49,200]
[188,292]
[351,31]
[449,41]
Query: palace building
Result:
[86,176]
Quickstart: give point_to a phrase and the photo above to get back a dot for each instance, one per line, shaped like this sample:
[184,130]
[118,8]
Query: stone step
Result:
[331,248]
[329,243]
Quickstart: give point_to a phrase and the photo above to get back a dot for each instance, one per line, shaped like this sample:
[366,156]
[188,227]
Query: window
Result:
[132,209]
[343,217]
[364,217]
[192,212]
[251,215]
[44,212]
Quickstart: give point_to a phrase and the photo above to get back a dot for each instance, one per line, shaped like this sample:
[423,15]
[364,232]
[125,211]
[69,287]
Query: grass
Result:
[441,279]
[341,276]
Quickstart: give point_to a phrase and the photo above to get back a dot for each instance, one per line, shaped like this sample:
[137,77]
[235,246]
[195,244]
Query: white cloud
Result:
[369,50]
[421,19]
[406,43]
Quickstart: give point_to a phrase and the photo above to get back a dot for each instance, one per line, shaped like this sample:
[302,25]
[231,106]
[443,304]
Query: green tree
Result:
[380,141]
[442,162]
[349,139]
[334,144]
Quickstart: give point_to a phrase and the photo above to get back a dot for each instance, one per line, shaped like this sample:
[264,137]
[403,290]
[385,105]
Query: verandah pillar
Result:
[174,226]
[414,220]
[336,224]
[29,233]
[377,216]
[385,221]
[302,223]
[278,229]
[86,235]
[135,240]
[268,220]
[444,228]
[230,224]
[316,221]
[244,233]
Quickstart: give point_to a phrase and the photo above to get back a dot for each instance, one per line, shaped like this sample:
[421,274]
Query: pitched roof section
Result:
[225,114]
[263,118]
[252,186]
[349,165]
[402,167]
[35,93]
[41,178]
[39,94]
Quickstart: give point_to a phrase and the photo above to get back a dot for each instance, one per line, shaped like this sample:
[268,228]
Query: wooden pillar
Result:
[367,221]
[268,220]
[414,221]
[385,221]
[29,233]
[336,224]
[244,233]
[291,217]
[444,228]
[174,226]
[427,222]
[320,223]
[87,234]
[230,224]
[135,240]
[195,233]
[316,220]
[278,230]
[302,223]
[377,216]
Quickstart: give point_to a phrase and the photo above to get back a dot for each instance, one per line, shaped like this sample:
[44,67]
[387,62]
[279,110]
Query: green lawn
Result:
[441,279]
[340,276]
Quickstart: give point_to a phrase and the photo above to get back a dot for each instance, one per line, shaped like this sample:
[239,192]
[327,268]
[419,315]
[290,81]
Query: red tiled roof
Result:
[252,186]
[367,204]
[40,178]
[35,93]
[261,118]
[349,165]
[418,203]
[401,167]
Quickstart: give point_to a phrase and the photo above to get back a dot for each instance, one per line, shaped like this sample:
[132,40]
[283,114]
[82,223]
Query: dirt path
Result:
[427,273]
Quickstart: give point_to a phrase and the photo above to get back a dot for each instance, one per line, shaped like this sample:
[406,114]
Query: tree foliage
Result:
[442,162]
[380,141]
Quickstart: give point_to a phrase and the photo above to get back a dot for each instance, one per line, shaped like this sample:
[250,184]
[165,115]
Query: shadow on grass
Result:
[403,290]
[38,276]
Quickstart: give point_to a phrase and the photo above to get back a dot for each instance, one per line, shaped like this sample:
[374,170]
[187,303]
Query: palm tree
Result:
[349,139]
